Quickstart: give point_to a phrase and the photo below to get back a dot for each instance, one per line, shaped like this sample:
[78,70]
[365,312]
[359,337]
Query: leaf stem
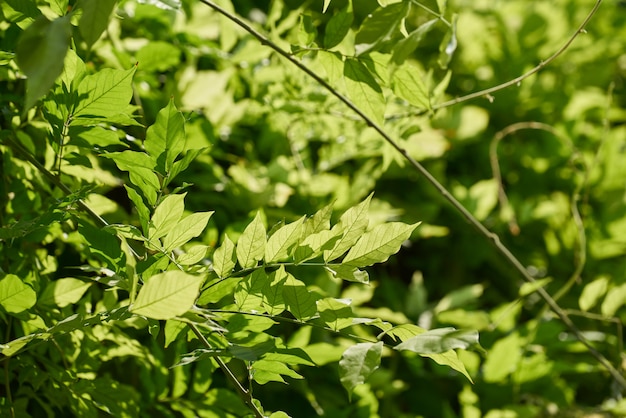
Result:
[490,236]
[244,394]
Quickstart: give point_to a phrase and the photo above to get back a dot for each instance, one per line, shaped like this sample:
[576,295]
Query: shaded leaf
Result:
[336,313]
[379,25]
[405,47]
[592,292]
[167,295]
[528,288]
[95,19]
[298,300]
[337,28]
[358,363]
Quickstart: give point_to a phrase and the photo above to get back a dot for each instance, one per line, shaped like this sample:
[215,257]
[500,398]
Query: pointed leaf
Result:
[358,363]
[337,28]
[613,300]
[314,245]
[280,245]
[104,94]
[298,300]
[193,255]
[165,140]
[249,292]
[95,19]
[320,221]
[439,341]
[189,227]
[408,83]
[224,258]
[592,293]
[64,292]
[379,25]
[349,273]
[251,244]
[405,47]
[352,224]
[166,216]
[528,288]
[15,295]
[167,295]
[450,359]
[326,4]
[336,314]
[378,244]
[363,90]
[40,54]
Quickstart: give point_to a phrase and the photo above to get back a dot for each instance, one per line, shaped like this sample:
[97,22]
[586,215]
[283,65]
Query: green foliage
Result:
[192,226]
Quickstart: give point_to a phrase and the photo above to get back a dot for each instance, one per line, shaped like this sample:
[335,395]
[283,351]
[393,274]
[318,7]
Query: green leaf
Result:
[336,313]
[95,19]
[64,292]
[193,255]
[332,63]
[358,363]
[442,5]
[320,221]
[40,53]
[349,273]
[182,164]
[251,244]
[224,258]
[592,292]
[140,207]
[613,300]
[264,371]
[166,216]
[439,341]
[15,295]
[298,300]
[408,83]
[337,28]
[165,140]
[363,90]
[158,56]
[352,225]
[503,358]
[249,292]
[379,25]
[282,242]
[326,4]
[314,245]
[450,359]
[164,4]
[378,244]
[104,94]
[167,295]
[528,288]
[405,47]
[189,227]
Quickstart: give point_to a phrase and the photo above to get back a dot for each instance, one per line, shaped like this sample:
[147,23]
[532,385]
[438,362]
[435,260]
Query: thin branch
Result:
[244,394]
[487,92]
[490,236]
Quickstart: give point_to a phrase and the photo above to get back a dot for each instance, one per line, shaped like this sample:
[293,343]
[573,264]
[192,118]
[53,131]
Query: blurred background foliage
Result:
[542,164]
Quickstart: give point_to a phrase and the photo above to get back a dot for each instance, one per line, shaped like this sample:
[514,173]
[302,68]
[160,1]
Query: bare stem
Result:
[490,236]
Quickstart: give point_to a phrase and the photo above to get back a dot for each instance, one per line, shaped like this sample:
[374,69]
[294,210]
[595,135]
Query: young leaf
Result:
[281,243]
[40,53]
[166,216]
[104,94]
[15,295]
[439,341]
[251,244]
[408,83]
[337,28]
[167,295]
[298,300]
[363,90]
[224,258]
[378,244]
[95,19]
[165,140]
[358,363]
[189,227]
[352,224]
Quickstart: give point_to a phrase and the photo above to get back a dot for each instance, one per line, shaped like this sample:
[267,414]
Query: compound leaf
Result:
[167,295]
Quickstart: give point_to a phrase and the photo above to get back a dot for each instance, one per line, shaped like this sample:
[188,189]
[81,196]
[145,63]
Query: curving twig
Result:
[490,236]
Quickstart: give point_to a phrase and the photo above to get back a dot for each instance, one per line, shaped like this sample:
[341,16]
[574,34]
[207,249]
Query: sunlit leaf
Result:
[337,28]
[298,299]
[349,273]
[15,295]
[280,245]
[336,314]
[251,244]
[249,292]
[592,292]
[363,90]
[166,216]
[379,25]
[358,363]
[104,94]
[64,292]
[528,288]
[352,224]
[503,358]
[439,340]
[167,295]
[189,227]
[377,245]
[315,244]
[165,140]
[264,371]
[326,4]
[193,255]
[224,258]
[450,359]
[408,83]
[405,47]
[163,4]
[614,299]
